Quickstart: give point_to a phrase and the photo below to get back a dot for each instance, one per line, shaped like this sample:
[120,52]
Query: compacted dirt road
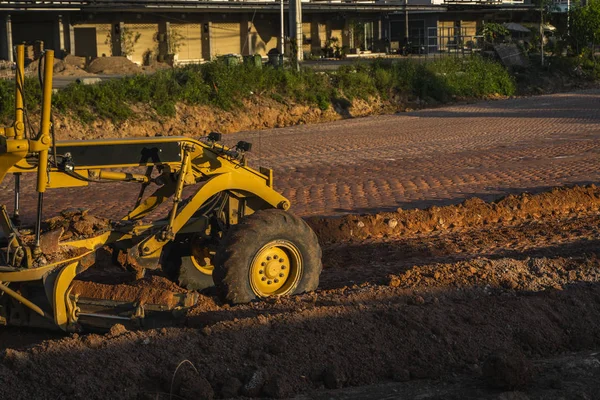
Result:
[472,300]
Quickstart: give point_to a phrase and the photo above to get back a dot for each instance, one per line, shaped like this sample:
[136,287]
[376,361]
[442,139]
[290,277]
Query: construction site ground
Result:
[460,298]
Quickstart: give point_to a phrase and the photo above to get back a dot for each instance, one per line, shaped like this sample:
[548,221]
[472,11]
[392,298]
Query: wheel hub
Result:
[275,269]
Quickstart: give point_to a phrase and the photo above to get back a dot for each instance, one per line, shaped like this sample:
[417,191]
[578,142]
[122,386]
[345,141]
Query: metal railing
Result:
[188,3]
[482,2]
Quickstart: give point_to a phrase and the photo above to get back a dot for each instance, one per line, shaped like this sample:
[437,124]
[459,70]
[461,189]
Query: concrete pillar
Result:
[385,27]
[164,31]
[115,36]
[69,35]
[6,46]
[315,36]
[245,28]
[206,39]
[59,35]
[347,34]
[296,28]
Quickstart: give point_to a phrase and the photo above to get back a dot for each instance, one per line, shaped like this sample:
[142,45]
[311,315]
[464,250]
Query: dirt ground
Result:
[196,121]
[478,300]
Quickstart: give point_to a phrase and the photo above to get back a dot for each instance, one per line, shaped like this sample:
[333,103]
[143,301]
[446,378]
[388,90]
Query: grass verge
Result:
[226,87]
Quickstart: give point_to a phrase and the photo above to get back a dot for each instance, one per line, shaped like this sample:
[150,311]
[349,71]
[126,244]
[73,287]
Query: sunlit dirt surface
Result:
[496,300]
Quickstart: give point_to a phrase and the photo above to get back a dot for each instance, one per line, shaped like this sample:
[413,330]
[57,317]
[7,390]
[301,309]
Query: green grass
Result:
[225,87]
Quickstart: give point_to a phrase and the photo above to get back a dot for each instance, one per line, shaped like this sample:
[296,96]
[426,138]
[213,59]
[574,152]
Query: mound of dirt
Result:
[75,61]
[113,66]
[471,213]
[61,68]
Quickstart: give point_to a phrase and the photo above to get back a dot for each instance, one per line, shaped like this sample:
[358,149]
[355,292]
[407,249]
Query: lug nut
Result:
[275,257]
[261,271]
[276,280]
[269,282]
[281,260]
[281,275]
[263,279]
[283,267]
[268,258]
[263,264]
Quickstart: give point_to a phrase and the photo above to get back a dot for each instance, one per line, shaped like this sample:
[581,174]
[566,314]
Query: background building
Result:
[190,31]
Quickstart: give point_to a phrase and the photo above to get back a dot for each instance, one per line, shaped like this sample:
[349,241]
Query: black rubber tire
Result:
[243,241]
[180,268]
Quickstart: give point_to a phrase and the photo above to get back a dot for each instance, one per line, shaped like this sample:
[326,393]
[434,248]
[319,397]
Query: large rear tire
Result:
[269,253]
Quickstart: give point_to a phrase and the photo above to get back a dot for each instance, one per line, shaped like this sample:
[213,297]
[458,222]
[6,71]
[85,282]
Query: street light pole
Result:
[281,45]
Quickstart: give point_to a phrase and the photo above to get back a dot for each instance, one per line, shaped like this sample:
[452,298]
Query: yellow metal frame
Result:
[213,167]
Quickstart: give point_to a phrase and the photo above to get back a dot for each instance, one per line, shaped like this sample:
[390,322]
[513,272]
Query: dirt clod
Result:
[93,341]
[49,240]
[117,330]
[277,387]
[254,384]
[17,360]
[188,384]
[504,370]
[334,377]
[231,387]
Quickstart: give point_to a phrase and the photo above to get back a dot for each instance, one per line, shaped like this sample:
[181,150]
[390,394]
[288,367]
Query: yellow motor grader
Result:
[219,223]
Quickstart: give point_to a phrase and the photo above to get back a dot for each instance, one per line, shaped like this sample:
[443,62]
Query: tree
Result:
[128,40]
[494,32]
[585,26]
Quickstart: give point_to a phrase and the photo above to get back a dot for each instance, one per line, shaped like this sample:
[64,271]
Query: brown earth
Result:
[113,65]
[197,121]
[61,68]
[483,305]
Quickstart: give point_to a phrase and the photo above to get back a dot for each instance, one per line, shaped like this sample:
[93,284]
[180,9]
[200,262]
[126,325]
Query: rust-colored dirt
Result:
[477,295]
[125,293]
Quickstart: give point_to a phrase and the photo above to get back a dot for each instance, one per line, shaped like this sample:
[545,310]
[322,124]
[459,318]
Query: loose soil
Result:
[478,300]
[61,68]
[113,66]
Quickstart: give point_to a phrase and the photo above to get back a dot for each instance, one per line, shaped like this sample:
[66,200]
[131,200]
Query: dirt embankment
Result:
[472,213]
[196,121]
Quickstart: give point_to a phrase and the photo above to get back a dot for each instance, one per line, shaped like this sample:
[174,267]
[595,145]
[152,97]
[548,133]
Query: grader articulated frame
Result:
[234,226]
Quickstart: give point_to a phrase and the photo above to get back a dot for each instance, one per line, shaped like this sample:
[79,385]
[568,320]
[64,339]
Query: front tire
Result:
[269,253]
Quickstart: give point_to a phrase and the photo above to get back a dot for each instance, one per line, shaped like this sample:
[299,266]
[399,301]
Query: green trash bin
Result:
[253,60]
[231,60]
[275,58]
